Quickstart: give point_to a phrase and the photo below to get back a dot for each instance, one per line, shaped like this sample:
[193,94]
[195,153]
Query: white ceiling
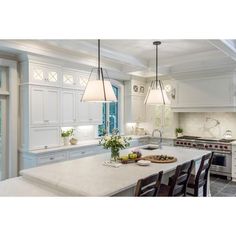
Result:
[135,57]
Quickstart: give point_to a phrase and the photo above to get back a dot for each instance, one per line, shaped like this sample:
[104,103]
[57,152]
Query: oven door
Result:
[221,163]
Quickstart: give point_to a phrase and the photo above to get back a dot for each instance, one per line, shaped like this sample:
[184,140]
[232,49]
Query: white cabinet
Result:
[44,74]
[45,137]
[88,113]
[135,109]
[44,107]
[50,158]
[68,102]
[82,110]
[70,79]
[95,113]
[234,162]
[205,94]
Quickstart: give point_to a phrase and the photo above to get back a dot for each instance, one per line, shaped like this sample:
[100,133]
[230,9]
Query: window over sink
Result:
[110,114]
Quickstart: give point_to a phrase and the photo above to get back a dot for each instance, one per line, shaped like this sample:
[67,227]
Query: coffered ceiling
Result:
[126,57]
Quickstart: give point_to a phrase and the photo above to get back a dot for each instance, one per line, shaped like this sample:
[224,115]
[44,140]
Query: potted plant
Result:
[115,142]
[66,136]
[179,132]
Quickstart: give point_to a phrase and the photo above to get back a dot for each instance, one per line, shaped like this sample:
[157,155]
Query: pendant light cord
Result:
[156,66]
[99,63]
[157,80]
[100,72]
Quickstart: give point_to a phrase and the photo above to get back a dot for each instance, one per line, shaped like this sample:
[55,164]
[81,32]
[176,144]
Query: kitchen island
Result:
[89,177]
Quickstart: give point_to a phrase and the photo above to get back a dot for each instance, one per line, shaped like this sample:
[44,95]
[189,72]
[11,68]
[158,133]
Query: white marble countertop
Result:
[20,187]
[89,177]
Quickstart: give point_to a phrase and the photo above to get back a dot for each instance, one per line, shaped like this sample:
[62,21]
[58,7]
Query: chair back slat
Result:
[149,186]
[202,174]
[178,184]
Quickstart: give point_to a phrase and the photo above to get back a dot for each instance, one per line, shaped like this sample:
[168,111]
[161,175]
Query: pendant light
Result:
[98,89]
[156,94]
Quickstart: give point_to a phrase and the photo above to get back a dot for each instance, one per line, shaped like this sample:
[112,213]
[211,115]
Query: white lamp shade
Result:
[94,92]
[154,97]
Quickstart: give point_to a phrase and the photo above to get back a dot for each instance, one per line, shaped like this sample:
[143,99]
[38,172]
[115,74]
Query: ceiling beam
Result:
[226,46]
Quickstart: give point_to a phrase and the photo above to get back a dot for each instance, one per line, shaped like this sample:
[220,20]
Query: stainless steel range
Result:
[222,148]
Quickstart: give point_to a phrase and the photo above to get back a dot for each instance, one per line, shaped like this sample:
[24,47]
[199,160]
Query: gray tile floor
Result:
[221,187]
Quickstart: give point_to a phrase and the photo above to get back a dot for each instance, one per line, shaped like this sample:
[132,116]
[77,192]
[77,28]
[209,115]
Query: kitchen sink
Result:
[150,148]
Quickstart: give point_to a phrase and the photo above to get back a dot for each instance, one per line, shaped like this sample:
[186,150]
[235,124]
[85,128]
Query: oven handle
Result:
[223,152]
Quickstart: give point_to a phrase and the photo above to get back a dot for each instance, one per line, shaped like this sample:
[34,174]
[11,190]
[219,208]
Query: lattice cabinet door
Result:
[42,74]
[52,76]
[69,79]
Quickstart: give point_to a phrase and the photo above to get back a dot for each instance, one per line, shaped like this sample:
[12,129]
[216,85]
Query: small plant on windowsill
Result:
[66,136]
[179,132]
[115,142]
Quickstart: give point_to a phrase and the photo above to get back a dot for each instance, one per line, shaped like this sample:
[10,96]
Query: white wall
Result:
[196,124]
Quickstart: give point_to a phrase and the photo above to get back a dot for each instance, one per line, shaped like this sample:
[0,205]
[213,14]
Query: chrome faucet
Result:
[153,132]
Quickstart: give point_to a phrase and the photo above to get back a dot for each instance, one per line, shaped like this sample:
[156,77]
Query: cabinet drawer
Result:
[80,153]
[51,158]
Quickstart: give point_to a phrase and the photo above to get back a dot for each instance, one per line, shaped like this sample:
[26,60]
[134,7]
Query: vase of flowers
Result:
[115,142]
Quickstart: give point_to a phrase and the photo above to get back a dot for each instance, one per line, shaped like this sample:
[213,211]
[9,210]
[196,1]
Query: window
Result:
[110,111]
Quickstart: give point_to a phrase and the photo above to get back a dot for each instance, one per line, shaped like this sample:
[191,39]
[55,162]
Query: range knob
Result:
[221,147]
[194,145]
[189,144]
[225,147]
[177,142]
[181,143]
[206,146]
[185,143]
[210,146]
[216,146]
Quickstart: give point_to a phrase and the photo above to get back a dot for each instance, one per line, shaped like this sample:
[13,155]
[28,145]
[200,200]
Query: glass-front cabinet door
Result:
[40,74]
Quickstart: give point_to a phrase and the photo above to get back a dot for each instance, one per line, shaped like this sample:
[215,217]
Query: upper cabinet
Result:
[75,112]
[135,109]
[46,75]
[44,108]
[69,79]
[205,94]
[68,103]
[88,113]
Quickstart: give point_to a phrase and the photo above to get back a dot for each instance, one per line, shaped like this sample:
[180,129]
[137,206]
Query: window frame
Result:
[120,101]
[11,95]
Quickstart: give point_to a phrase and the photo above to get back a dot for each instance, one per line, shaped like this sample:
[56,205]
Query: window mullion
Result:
[107,117]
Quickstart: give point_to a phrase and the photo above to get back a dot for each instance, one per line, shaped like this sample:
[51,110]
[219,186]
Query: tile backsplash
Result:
[205,124]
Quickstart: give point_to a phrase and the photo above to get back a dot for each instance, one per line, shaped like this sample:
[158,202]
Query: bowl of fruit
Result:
[129,158]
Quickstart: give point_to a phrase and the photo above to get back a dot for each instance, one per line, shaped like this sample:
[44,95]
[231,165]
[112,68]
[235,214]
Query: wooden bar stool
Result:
[177,185]
[201,178]
[149,186]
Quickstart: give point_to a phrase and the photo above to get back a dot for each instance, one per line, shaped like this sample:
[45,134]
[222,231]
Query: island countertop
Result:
[89,177]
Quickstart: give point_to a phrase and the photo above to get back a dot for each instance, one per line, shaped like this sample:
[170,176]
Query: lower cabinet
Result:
[37,158]
[30,159]
[51,158]
[234,162]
